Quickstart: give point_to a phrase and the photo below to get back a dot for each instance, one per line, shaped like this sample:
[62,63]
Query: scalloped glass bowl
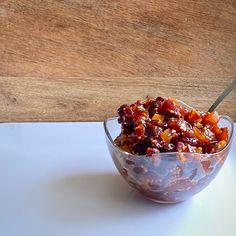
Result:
[169,177]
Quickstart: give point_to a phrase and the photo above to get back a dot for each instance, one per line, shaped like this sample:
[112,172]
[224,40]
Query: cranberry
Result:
[168,147]
[160,99]
[151,151]
[152,130]
[179,147]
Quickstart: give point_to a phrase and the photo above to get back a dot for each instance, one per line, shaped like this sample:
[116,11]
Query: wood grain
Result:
[73,60]
[96,98]
[118,38]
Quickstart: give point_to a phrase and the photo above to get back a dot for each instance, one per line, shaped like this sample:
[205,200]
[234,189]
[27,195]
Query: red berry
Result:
[224,135]
[151,151]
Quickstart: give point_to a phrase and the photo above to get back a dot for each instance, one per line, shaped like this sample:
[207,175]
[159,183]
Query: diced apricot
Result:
[183,157]
[199,125]
[199,135]
[211,118]
[194,116]
[166,135]
[221,145]
[174,100]
[198,149]
[216,130]
[158,117]
[125,147]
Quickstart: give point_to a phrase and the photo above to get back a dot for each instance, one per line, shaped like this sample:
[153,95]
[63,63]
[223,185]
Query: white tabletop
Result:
[58,179]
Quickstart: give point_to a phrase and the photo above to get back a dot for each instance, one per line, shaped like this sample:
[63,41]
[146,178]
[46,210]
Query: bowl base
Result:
[162,201]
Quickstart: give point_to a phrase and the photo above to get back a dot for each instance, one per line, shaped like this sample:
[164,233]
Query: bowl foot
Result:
[163,201]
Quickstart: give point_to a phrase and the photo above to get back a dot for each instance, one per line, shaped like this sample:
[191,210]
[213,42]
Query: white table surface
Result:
[58,179]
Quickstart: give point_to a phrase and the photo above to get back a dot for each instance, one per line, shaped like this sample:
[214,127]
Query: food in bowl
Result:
[167,150]
[164,125]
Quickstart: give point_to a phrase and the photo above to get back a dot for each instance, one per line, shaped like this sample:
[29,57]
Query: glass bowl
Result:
[168,177]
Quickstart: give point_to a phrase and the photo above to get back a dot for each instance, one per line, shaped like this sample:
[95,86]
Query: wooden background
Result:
[76,60]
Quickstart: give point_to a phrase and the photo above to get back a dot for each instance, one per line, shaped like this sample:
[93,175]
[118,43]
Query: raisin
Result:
[139,169]
[141,147]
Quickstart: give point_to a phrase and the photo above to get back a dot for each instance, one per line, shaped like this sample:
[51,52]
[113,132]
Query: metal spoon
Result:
[222,96]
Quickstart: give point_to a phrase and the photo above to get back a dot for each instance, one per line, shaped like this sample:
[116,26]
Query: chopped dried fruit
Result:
[180,147]
[216,129]
[211,118]
[166,135]
[139,131]
[224,135]
[125,147]
[158,117]
[221,145]
[163,125]
[151,151]
[200,135]
[194,116]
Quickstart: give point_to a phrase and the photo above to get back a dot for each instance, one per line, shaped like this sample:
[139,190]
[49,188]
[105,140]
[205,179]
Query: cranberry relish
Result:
[163,125]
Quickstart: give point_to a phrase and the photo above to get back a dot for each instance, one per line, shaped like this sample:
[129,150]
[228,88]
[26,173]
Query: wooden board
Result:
[80,59]
[83,99]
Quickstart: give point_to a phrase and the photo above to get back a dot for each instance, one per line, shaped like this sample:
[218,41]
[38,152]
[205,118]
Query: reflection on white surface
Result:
[58,179]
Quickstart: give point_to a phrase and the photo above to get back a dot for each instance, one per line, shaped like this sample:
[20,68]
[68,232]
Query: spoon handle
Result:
[222,96]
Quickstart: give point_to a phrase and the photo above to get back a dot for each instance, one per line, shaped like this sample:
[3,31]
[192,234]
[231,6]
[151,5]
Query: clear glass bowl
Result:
[167,177]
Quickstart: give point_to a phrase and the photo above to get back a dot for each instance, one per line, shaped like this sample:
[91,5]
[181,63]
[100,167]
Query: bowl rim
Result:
[172,153]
